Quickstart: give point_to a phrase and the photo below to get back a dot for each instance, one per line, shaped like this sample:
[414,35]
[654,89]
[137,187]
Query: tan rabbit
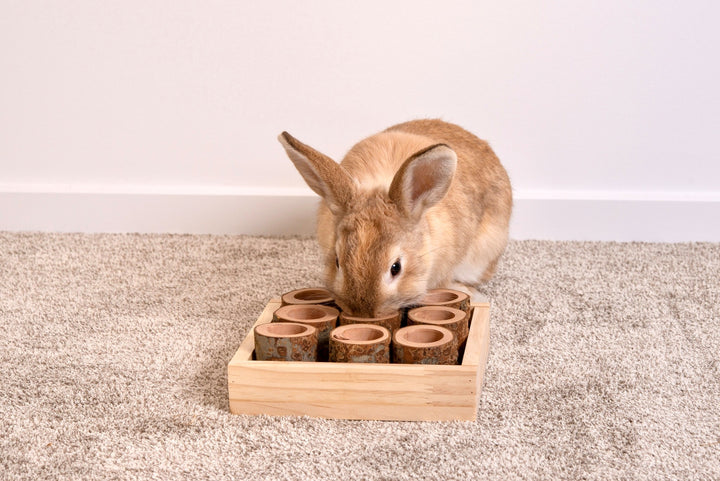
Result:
[423,204]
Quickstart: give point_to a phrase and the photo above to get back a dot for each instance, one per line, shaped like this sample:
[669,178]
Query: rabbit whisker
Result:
[429,252]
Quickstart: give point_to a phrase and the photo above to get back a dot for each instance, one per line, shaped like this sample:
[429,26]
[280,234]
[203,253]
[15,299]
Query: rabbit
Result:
[421,205]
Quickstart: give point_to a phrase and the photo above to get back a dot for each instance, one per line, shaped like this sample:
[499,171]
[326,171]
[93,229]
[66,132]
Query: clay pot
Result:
[447,298]
[424,344]
[322,318]
[448,317]
[390,322]
[360,343]
[285,341]
[310,295]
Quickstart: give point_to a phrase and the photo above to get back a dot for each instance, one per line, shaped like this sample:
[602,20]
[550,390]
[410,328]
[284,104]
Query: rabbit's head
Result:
[377,246]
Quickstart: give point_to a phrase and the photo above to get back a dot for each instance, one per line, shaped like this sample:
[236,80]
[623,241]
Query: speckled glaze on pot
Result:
[390,322]
[322,318]
[450,318]
[285,341]
[447,298]
[360,343]
[424,344]
[308,295]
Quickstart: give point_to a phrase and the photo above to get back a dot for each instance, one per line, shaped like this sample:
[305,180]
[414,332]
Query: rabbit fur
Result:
[423,204]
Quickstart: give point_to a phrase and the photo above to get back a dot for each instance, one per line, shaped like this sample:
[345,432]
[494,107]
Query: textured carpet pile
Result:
[604,364]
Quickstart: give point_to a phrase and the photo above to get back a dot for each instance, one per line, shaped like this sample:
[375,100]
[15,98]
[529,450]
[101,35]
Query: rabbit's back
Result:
[481,183]
[479,169]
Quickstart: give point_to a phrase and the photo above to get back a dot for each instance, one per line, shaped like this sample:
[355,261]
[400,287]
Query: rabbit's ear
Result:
[423,179]
[325,176]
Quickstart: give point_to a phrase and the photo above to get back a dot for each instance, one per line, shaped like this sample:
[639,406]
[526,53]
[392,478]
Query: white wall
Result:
[113,115]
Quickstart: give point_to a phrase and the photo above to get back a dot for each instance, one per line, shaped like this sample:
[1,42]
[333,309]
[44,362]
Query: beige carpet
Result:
[604,364]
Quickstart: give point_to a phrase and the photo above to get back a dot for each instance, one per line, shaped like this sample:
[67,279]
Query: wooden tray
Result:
[403,392]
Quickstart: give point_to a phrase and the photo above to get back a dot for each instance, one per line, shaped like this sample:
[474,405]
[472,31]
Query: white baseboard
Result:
[604,216]
[161,210]
[673,217]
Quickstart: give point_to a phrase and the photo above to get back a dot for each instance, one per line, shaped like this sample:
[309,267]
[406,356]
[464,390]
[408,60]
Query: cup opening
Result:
[433,315]
[306,313]
[313,295]
[361,334]
[280,329]
[423,336]
[440,297]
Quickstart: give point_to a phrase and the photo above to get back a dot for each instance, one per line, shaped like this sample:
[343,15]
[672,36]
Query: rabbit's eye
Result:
[337,262]
[395,268]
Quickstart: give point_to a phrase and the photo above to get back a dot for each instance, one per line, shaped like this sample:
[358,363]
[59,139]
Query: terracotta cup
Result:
[309,295]
[285,341]
[390,322]
[448,317]
[322,318]
[360,343]
[447,298]
[424,344]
